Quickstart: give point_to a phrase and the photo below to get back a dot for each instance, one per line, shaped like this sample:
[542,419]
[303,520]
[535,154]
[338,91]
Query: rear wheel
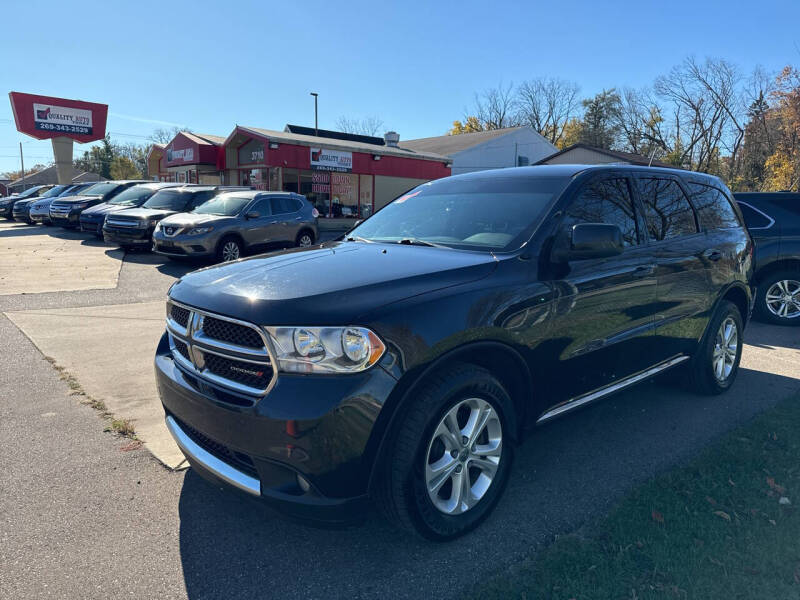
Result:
[714,366]
[304,239]
[450,456]
[778,298]
[229,249]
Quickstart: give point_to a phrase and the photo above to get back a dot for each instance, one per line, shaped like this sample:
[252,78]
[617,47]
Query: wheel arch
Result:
[501,360]
[306,229]
[739,296]
[235,235]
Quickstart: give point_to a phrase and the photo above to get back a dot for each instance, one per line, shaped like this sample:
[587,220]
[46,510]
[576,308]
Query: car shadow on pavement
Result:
[566,473]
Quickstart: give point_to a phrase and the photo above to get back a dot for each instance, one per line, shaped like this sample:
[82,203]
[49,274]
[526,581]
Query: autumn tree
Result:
[366,126]
[471,124]
[547,105]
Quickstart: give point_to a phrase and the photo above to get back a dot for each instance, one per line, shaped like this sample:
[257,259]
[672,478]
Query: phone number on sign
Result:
[65,128]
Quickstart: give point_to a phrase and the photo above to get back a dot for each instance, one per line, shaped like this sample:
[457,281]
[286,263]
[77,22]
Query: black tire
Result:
[789,278]
[304,239]
[702,377]
[225,249]
[400,489]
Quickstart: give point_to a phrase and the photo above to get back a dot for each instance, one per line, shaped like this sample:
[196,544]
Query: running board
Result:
[610,389]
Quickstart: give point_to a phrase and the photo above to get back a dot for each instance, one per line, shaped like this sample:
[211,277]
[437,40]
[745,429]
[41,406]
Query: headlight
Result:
[200,230]
[80,205]
[325,349]
[153,222]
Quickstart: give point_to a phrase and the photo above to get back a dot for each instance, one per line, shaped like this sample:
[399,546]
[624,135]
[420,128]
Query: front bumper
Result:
[314,427]
[92,224]
[40,217]
[6,210]
[64,219]
[21,214]
[129,236]
[184,245]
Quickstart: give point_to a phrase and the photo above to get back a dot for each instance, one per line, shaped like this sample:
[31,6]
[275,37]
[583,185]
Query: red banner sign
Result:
[45,117]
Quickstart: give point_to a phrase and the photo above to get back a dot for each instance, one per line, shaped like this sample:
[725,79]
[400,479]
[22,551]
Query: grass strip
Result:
[724,526]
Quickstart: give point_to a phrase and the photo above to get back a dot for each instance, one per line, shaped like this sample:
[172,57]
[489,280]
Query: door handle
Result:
[644,271]
[712,254]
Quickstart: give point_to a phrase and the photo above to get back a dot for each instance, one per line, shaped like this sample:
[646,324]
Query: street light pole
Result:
[316,120]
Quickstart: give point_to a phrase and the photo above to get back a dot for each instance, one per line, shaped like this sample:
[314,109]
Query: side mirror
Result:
[357,223]
[252,215]
[588,240]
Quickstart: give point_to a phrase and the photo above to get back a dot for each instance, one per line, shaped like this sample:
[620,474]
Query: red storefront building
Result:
[343,175]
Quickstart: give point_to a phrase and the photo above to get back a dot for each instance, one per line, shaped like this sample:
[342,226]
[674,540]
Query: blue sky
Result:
[416,65]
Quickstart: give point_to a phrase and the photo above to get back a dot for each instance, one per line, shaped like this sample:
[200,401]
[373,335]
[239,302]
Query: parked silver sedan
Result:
[235,223]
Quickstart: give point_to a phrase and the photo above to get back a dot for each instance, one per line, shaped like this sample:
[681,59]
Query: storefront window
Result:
[365,196]
[290,183]
[275,179]
[344,195]
[316,187]
[257,178]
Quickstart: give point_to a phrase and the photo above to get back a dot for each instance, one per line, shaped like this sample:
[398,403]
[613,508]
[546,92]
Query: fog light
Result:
[303,483]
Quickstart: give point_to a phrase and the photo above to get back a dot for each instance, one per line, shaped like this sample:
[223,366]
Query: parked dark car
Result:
[237,222]
[39,210]
[66,212]
[134,227]
[92,219]
[404,362]
[7,203]
[22,208]
[773,219]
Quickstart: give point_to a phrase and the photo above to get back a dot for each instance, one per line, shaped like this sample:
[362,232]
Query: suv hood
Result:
[145,214]
[105,208]
[191,219]
[332,285]
[77,199]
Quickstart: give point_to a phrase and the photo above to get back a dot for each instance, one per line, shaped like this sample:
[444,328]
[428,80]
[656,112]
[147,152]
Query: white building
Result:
[495,149]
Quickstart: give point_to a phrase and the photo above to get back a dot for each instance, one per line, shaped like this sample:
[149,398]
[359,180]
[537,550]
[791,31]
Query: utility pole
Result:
[316,120]
[22,162]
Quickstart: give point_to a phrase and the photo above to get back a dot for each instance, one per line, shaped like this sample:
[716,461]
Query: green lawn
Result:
[725,526]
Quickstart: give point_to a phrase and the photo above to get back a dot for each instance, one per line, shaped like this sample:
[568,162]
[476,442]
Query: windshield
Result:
[54,191]
[168,200]
[226,205]
[133,196]
[30,192]
[99,189]
[497,214]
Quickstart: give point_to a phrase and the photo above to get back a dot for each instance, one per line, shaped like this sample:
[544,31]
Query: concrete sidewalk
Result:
[109,350]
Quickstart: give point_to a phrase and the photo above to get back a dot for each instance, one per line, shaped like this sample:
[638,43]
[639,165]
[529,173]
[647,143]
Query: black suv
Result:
[66,211]
[773,219]
[133,227]
[403,362]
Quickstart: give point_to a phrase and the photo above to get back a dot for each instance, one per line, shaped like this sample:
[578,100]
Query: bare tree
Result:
[547,105]
[496,108]
[367,126]
[164,136]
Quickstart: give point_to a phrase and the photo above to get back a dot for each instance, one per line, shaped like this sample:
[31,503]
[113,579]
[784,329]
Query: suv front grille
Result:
[179,314]
[233,333]
[124,222]
[252,375]
[228,354]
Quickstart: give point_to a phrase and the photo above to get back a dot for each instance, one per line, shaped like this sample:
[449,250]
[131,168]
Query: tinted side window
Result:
[713,207]
[605,201]
[667,210]
[281,206]
[753,218]
[261,207]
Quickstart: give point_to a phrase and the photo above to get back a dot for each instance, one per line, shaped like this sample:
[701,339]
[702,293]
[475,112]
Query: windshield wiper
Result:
[417,242]
[357,238]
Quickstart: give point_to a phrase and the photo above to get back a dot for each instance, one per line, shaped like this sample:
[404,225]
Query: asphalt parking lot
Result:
[83,514]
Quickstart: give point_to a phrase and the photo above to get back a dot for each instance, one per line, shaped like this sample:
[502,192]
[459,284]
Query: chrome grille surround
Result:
[200,344]
[122,222]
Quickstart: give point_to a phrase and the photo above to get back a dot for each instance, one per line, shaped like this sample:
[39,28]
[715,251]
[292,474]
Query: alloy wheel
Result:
[783,299]
[305,241]
[726,348]
[463,456]
[230,251]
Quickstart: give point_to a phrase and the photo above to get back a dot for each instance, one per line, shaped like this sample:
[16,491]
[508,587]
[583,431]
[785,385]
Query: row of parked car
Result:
[173,219]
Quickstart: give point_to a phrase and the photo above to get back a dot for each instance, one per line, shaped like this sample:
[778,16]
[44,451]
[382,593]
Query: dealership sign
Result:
[49,117]
[45,117]
[185,155]
[323,159]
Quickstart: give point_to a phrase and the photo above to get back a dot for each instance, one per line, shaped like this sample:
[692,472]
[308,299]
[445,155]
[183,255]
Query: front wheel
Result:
[778,298]
[229,249]
[304,239]
[450,456]
[714,366]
